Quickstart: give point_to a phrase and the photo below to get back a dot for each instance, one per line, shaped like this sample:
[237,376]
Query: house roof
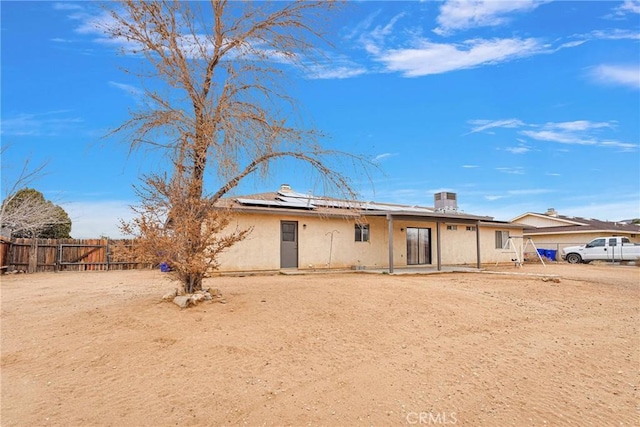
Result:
[287,201]
[560,219]
[572,225]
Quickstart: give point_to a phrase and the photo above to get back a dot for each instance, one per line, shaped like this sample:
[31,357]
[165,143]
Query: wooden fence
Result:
[37,255]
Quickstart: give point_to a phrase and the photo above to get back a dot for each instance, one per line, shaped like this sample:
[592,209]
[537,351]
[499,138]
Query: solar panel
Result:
[275,203]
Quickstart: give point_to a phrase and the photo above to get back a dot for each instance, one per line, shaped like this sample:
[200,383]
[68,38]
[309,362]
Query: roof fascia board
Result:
[415,216]
[613,232]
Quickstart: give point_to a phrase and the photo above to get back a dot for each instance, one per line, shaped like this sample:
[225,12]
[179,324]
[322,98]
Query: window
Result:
[501,239]
[452,227]
[596,243]
[288,232]
[362,232]
[471,228]
[613,242]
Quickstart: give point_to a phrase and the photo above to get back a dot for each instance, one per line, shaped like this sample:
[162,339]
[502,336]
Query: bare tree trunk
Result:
[193,283]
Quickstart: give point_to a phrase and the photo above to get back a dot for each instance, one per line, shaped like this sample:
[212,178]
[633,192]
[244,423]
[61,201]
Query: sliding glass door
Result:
[418,246]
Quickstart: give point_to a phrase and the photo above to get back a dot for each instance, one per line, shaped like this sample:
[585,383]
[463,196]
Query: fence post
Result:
[59,257]
[33,256]
[10,263]
[108,255]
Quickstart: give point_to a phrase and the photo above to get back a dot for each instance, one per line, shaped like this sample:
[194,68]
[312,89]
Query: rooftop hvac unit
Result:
[445,201]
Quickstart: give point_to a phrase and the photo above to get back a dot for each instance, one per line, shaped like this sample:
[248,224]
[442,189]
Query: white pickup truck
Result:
[604,249]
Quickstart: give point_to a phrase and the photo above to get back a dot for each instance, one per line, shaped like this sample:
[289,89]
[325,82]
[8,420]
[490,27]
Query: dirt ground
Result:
[468,349]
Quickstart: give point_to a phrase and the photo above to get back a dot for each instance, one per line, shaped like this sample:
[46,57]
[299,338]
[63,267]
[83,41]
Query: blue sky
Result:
[515,106]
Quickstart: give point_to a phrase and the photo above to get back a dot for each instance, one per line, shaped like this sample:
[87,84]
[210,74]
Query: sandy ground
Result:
[476,349]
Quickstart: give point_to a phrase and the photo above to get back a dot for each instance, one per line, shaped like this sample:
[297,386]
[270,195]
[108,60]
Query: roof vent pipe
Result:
[285,188]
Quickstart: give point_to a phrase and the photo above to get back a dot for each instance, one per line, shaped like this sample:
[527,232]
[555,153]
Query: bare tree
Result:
[25,212]
[223,109]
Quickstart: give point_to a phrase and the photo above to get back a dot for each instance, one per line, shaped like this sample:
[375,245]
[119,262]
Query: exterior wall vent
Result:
[445,202]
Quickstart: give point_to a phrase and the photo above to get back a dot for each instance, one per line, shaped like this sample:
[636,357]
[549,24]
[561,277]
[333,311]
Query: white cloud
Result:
[518,170]
[413,55]
[357,30]
[529,192]
[580,132]
[570,138]
[464,14]
[580,125]
[617,75]
[433,191]
[375,38]
[617,144]
[50,123]
[520,149]
[605,210]
[436,58]
[93,24]
[197,46]
[61,40]
[470,166]
[383,156]
[561,137]
[126,87]
[407,51]
[133,91]
[505,205]
[577,132]
[575,43]
[333,71]
[99,218]
[67,6]
[615,34]
[483,125]
[629,6]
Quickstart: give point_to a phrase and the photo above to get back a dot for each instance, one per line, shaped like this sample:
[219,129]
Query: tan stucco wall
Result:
[458,246]
[261,249]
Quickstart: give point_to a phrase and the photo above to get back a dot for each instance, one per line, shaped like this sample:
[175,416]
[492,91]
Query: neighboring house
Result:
[294,230]
[554,231]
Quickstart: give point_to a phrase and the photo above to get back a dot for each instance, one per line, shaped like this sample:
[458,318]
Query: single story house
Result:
[300,231]
[551,230]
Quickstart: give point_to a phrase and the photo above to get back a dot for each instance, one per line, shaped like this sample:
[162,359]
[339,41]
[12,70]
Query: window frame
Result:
[502,240]
[362,233]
